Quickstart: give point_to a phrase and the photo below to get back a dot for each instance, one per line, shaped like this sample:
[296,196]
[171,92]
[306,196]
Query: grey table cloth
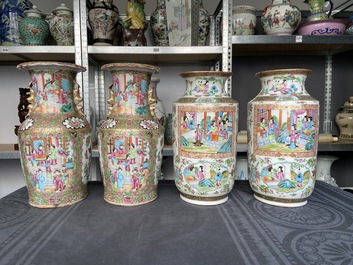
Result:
[171,231]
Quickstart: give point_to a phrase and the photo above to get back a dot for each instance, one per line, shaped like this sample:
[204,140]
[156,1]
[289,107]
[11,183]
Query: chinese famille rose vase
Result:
[103,18]
[283,126]
[130,138]
[204,124]
[55,138]
[280,18]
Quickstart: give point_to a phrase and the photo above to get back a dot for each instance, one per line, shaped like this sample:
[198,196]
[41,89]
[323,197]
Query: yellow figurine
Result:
[135,15]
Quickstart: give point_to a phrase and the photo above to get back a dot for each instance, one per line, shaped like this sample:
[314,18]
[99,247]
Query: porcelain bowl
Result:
[322,27]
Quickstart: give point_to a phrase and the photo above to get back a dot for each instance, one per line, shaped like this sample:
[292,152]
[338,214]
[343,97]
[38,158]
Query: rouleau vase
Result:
[283,127]
[55,138]
[130,137]
[204,138]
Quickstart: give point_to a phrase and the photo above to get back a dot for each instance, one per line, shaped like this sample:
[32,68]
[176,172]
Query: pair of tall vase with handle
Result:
[55,142]
[55,138]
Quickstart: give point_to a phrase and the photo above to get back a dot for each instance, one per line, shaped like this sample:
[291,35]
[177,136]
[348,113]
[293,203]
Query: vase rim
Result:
[53,65]
[131,66]
[206,73]
[244,7]
[283,71]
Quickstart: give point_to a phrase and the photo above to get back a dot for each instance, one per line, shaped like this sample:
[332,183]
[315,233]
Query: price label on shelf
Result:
[299,39]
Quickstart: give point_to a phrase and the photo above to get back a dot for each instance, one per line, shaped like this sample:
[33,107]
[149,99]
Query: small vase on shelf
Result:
[344,120]
[244,20]
[61,26]
[204,25]
[11,14]
[159,24]
[280,18]
[33,28]
[103,18]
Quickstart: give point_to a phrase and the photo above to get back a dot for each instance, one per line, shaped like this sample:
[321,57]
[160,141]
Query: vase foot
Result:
[203,202]
[281,204]
[129,204]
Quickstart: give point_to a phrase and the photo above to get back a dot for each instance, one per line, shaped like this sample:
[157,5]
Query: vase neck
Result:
[283,83]
[52,91]
[129,94]
[279,2]
[153,87]
[206,84]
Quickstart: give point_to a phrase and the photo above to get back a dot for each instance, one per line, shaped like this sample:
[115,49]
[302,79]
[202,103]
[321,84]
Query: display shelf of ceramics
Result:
[37,53]
[254,45]
[154,54]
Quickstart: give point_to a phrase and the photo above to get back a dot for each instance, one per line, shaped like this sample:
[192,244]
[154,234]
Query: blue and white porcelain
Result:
[11,12]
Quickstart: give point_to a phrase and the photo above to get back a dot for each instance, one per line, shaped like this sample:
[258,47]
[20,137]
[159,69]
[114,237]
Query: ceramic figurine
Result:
[135,24]
[55,138]
[283,132]
[280,18]
[130,138]
[103,18]
[204,138]
[61,25]
[33,28]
